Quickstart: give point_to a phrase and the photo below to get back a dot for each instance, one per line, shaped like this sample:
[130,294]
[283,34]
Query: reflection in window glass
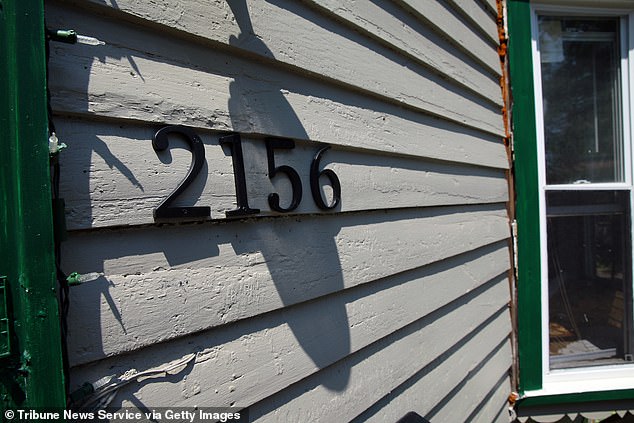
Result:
[589,295]
[581,98]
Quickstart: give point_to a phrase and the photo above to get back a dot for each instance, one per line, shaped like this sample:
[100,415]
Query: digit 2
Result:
[165,210]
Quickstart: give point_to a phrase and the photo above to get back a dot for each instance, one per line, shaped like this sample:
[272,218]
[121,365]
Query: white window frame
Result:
[595,378]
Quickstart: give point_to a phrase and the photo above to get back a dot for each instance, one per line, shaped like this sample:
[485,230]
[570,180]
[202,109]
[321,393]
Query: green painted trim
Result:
[33,375]
[527,200]
[576,398]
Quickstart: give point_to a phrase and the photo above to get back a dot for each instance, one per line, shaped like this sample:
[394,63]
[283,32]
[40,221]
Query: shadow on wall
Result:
[327,336]
[297,258]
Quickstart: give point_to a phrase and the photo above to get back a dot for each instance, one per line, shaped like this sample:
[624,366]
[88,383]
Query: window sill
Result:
[592,379]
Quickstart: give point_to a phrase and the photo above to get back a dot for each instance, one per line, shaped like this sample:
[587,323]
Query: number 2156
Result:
[167,211]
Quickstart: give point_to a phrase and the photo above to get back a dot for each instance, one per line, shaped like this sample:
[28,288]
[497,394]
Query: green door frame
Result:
[32,375]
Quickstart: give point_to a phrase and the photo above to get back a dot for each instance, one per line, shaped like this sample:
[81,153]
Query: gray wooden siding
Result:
[394,302]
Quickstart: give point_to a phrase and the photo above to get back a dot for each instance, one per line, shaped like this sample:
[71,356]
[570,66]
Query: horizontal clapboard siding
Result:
[315,315]
[197,279]
[392,362]
[431,391]
[382,73]
[251,361]
[479,16]
[410,37]
[128,178]
[447,21]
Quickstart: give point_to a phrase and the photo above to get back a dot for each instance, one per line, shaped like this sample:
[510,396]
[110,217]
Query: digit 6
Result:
[315,174]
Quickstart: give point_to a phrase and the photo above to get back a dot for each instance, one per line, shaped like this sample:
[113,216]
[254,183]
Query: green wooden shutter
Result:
[31,369]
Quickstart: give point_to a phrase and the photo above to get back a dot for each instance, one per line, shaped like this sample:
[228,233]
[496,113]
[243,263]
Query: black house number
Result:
[166,211]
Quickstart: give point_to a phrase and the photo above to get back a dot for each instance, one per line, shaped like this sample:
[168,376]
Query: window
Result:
[574,179]
[584,189]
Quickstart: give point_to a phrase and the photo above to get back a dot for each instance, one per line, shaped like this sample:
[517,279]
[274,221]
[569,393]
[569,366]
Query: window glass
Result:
[588,231]
[581,98]
[588,277]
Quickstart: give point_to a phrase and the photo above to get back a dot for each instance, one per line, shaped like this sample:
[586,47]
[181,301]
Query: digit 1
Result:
[235,146]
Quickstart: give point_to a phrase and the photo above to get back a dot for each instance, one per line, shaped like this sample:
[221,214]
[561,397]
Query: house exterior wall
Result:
[396,300]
